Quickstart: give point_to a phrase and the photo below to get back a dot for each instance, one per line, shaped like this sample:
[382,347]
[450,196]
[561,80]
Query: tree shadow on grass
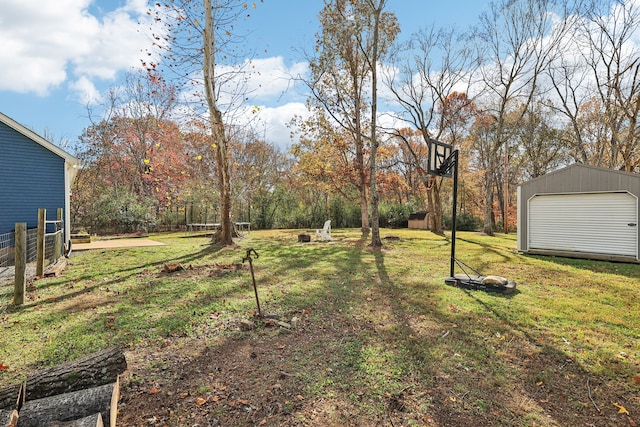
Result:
[506,377]
[118,276]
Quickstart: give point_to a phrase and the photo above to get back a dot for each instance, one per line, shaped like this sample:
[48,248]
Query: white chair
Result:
[325,233]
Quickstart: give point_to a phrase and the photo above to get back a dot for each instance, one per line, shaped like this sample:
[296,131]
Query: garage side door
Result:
[593,223]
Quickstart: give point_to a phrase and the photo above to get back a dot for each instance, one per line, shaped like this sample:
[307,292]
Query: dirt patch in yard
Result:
[245,372]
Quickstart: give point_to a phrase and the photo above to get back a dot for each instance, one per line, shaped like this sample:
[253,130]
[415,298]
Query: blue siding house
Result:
[34,174]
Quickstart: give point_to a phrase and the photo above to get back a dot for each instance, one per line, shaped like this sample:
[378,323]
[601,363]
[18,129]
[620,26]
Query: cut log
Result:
[94,370]
[12,397]
[56,269]
[8,418]
[73,406]
[304,238]
[172,267]
[94,420]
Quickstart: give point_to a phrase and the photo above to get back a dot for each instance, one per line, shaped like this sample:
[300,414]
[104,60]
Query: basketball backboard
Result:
[439,158]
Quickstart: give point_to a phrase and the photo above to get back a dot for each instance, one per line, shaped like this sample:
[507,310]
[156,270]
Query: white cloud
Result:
[47,43]
[275,121]
[266,79]
[85,91]
[271,77]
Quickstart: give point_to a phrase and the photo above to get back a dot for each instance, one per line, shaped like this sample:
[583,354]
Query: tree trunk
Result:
[72,406]
[225,194]
[94,420]
[362,179]
[376,241]
[8,417]
[364,210]
[434,206]
[94,370]
[488,209]
[217,128]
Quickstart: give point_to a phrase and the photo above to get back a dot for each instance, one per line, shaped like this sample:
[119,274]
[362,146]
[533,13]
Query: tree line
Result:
[534,85]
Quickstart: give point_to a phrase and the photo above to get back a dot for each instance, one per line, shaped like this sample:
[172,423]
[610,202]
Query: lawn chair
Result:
[325,233]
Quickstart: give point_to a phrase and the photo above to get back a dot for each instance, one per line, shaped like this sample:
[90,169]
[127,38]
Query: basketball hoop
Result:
[443,161]
[439,158]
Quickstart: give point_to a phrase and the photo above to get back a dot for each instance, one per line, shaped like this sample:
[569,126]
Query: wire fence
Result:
[8,250]
[8,247]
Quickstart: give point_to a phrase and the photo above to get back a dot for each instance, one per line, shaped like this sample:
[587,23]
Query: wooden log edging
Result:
[83,392]
[72,406]
[94,370]
[97,369]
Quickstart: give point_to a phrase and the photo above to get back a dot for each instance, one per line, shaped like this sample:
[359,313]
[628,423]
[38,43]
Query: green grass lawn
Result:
[376,325]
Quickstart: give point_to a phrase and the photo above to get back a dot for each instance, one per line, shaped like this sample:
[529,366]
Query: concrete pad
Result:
[116,244]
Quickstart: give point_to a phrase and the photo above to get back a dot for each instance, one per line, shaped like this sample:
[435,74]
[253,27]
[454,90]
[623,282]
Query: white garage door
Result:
[599,223]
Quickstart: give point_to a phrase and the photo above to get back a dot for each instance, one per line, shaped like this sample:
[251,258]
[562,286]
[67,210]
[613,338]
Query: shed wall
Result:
[32,178]
[419,224]
[573,179]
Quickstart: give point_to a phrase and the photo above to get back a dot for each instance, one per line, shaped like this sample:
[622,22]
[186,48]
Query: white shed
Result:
[581,211]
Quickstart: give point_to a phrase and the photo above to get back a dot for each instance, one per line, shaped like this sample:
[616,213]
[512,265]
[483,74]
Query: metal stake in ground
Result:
[253,277]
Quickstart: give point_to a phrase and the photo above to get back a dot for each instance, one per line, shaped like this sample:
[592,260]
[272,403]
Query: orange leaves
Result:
[3,367]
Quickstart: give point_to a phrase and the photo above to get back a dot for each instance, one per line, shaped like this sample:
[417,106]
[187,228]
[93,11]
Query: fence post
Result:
[42,226]
[21,263]
[59,237]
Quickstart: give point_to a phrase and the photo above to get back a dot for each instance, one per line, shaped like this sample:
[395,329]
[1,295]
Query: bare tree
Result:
[598,86]
[217,126]
[538,145]
[429,68]
[199,32]
[374,45]
[518,39]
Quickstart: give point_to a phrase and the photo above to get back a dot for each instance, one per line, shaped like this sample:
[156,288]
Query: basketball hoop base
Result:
[477,283]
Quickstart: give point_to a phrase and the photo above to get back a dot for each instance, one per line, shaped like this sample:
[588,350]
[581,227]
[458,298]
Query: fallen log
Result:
[94,370]
[8,418]
[94,420]
[56,269]
[73,406]
[12,397]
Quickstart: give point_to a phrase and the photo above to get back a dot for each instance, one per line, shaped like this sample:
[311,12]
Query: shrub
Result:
[395,215]
[464,222]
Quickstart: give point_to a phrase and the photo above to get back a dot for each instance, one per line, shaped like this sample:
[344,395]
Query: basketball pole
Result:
[454,161]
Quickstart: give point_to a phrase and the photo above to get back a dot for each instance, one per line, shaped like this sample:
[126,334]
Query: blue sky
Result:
[58,57]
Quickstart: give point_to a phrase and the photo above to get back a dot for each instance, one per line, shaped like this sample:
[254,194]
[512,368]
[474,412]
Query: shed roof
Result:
[579,167]
[38,139]
[420,215]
